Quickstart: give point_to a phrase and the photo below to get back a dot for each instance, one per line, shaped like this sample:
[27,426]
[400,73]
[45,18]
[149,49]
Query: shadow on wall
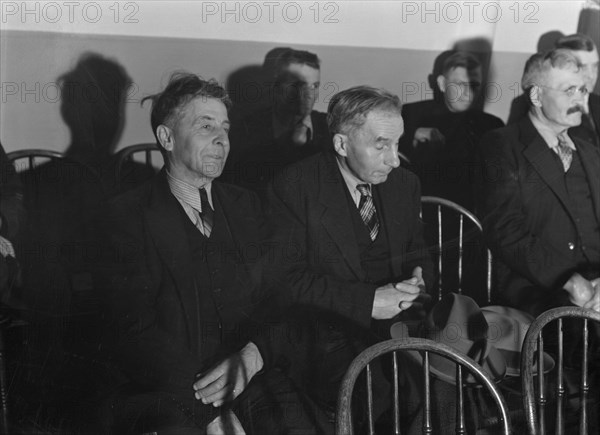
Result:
[250,87]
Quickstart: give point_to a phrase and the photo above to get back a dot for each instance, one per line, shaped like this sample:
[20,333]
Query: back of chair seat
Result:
[344,419]
[532,357]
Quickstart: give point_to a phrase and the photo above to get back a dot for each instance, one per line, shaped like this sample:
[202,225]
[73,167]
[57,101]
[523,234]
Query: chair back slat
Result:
[427,425]
[344,417]
[460,252]
[454,256]
[585,386]
[370,400]
[532,346]
[396,394]
[440,250]
[460,410]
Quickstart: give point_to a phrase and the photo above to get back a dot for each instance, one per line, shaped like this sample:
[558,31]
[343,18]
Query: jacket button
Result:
[571,246]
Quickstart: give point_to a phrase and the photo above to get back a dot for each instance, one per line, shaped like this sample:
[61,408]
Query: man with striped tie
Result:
[347,222]
[185,288]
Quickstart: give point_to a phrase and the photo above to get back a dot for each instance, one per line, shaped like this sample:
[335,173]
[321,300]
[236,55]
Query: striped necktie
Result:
[207,214]
[564,152]
[366,207]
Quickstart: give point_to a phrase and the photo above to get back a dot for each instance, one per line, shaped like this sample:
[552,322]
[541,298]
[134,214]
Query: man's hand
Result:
[581,291]
[390,299]
[594,302]
[226,380]
[428,134]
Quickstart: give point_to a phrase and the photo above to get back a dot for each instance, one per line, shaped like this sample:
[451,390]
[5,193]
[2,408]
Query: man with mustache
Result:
[542,202]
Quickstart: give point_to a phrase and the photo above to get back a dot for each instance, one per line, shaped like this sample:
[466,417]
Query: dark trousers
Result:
[271,404]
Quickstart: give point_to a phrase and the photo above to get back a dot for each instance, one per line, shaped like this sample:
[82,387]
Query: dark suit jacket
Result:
[310,212]
[527,220]
[154,295]
[449,170]
[256,156]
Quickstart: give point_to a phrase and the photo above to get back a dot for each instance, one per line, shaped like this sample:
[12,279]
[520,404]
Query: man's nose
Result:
[392,158]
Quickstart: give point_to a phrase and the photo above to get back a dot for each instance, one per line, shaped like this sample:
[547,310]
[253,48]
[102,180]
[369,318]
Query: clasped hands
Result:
[391,299]
[584,293]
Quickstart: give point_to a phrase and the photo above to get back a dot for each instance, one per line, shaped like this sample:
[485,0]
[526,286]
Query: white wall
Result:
[390,44]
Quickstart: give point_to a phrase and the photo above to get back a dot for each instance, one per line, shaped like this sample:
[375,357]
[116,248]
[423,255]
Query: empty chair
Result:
[536,393]
[455,235]
[428,348]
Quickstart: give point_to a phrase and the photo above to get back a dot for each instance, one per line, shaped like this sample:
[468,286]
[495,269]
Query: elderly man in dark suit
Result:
[542,202]
[348,222]
[186,285]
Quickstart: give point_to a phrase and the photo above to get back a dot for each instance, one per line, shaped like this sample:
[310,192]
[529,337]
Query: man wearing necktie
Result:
[542,201]
[186,287]
[347,222]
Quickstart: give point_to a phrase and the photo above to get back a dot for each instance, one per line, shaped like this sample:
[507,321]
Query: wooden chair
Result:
[344,419]
[533,347]
[452,229]
[30,158]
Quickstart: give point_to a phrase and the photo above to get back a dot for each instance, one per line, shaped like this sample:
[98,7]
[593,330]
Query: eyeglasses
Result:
[570,91]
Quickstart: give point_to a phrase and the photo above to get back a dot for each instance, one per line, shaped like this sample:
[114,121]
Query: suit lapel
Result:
[336,213]
[590,159]
[543,161]
[163,215]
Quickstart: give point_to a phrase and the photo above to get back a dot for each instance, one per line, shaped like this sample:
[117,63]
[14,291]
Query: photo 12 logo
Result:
[270,12]
[70,12]
[470,11]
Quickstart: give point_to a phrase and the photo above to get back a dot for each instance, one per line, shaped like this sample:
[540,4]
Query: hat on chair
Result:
[458,322]
[506,331]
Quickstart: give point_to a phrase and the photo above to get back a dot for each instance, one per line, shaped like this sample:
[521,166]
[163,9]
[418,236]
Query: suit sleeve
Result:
[505,223]
[295,261]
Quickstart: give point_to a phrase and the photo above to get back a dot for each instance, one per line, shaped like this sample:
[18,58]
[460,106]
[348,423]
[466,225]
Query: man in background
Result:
[441,137]
[584,49]
[285,132]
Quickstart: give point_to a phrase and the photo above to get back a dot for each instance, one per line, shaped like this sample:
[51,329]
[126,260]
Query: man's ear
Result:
[441,82]
[534,96]
[165,137]
[339,144]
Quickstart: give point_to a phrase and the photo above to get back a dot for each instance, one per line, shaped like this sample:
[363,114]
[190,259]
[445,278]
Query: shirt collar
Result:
[351,181]
[549,135]
[187,193]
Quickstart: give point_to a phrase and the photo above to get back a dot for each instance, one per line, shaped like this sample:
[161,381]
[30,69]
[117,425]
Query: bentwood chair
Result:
[30,158]
[536,399]
[136,163]
[463,263]
[345,419]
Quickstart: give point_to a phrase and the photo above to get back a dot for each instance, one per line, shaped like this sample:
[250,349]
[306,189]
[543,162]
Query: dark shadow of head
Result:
[93,106]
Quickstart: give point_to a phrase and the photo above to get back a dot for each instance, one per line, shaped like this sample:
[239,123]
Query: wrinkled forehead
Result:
[587,58]
[563,77]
